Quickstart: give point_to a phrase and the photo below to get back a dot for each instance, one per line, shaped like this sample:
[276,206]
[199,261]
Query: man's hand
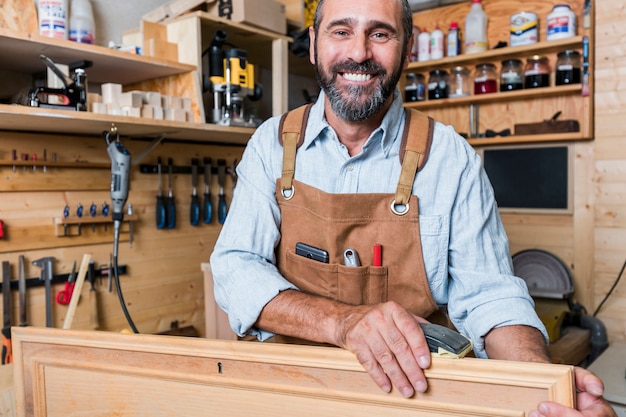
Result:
[389,343]
[589,401]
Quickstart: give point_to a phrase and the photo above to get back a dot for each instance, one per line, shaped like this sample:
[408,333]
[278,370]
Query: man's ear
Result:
[312,45]
[407,53]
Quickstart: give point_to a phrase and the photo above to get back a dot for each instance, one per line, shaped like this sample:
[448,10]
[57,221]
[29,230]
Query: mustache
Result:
[369,67]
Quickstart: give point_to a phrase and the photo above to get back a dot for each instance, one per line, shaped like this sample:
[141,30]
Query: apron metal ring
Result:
[399,209]
[288,194]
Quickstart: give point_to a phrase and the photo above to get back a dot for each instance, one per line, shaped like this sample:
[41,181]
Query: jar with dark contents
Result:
[568,68]
[537,72]
[414,89]
[438,84]
[511,75]
[485,79]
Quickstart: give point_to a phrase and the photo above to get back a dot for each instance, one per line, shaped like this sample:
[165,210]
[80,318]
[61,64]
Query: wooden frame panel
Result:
[77,373]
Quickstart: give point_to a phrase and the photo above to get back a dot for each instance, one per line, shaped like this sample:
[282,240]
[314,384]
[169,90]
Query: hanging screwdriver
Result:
[66,215]
[105,213]
[171,203]
[221,179]
[194,208]
[79,214]
[160,203]
[93,211]
[207,207]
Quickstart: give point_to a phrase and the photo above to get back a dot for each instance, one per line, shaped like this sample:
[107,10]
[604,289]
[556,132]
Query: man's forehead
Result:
[352,12]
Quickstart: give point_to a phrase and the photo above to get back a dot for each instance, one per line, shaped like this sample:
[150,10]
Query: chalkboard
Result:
[529,178]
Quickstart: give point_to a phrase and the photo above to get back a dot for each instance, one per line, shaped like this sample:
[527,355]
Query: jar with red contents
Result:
[485,79]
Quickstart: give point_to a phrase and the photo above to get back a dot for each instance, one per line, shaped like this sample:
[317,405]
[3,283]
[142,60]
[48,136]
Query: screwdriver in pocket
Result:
[160,203]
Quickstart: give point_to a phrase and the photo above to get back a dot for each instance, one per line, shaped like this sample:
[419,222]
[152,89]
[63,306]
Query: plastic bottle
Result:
[415,47]
[53,18]
[475,29]
[423,41]
[454,40]
[561,23]
[82,27]
[436,43]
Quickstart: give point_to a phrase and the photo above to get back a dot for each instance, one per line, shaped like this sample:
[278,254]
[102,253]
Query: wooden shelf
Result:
[519,139]
[533,93]
[34,119]
[20,52]
[499,54]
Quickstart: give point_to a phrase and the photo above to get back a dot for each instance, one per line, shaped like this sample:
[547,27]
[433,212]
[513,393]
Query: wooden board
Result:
[20,15]
[73,373]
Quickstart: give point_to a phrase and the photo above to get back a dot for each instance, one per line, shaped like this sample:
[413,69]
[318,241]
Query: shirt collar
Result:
[386,134]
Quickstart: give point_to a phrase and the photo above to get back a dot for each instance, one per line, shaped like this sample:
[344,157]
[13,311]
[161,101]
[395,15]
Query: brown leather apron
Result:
[335,222]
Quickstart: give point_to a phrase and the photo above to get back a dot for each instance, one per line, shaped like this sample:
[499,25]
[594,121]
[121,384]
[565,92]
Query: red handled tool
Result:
[65,295]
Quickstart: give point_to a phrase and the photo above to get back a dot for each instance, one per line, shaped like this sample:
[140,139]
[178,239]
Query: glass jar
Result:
[438,84]
[460,84]
[537,72]
[568,68]
[511,75]
[414,89]
[485,79]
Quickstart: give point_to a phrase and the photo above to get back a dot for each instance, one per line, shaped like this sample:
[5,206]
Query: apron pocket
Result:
[351,285]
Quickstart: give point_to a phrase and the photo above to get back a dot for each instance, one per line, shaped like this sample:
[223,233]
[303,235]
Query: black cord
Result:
[619,276]
[116,232]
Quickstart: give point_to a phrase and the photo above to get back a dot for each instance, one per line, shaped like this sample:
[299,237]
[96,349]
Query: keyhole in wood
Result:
[219,367]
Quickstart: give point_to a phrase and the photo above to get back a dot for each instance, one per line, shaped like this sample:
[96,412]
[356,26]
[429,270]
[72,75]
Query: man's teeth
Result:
[357,77]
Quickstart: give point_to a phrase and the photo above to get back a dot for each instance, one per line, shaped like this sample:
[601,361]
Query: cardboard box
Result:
[266,14]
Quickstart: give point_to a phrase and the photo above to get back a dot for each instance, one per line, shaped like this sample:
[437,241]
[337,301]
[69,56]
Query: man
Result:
[450,249]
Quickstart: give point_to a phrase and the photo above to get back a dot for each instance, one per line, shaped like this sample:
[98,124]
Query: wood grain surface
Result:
[20,15]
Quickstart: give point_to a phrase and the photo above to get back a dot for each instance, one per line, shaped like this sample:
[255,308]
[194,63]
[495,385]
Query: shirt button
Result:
[350,167]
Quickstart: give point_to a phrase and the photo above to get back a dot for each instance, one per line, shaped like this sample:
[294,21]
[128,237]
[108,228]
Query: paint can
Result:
[524,28]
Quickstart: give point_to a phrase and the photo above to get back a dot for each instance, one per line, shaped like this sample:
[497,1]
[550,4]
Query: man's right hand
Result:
[389,343]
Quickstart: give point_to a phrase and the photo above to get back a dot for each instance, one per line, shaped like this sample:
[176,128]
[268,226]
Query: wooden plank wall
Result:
[164,281]
[609,182]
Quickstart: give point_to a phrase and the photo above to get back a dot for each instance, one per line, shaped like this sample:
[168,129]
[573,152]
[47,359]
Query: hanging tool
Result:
[46,275]
[79,214]
[7,355]
[221,179]
[105,213]
[93,296]
[194,208]
[66,215]
[93,212]
[207,206]
[161,217]
[130,225]
[65,295]
[71,311]
[22,290]
[171,203]
[45,159]
[1,229]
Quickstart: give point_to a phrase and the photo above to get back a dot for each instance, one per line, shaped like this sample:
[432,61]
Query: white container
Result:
[475,29]
[82,27]
[415,47]
[454,40]
[524,28]
[561,23]
[436,44]
[423,43]
[53,16]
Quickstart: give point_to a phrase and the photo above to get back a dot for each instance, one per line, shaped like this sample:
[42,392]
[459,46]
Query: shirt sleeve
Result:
[243,261]
[483,291]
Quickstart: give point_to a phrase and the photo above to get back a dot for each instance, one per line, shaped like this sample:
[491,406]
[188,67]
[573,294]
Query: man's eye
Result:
[380,36]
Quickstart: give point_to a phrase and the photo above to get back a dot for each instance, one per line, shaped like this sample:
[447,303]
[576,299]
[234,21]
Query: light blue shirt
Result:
[465,246]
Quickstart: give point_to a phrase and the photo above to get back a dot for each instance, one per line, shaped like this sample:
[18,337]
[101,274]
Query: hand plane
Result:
[445,342]
[73,95]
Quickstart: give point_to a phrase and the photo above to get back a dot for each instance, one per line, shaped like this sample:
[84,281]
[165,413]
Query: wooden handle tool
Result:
[82,272]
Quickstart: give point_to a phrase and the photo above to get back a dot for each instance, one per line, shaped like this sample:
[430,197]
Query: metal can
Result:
[524,28]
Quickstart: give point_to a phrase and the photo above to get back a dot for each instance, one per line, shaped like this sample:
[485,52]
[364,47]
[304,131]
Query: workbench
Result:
[610,366]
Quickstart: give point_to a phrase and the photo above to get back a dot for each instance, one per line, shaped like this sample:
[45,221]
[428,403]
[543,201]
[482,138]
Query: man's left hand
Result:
[589,401]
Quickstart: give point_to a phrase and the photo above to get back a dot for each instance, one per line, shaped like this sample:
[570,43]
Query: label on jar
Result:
[523,28]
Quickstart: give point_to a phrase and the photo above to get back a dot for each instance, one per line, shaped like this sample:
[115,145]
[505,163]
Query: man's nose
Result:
[360,48]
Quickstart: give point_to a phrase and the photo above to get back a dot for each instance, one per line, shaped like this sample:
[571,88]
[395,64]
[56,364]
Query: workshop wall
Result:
[164,283]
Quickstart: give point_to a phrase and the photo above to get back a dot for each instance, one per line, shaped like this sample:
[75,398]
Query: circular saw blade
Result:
[545,274]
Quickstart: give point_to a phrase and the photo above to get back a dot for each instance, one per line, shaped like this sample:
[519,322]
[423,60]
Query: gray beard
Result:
[352,110]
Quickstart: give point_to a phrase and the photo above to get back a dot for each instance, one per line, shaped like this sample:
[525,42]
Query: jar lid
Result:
[569,52]
[485,65]
[438,72]
[561,6]
[512,61]
[459,69]
[538,58]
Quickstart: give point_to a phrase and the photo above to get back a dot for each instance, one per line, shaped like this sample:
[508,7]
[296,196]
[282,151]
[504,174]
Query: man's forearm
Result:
[296,314]
[518,343]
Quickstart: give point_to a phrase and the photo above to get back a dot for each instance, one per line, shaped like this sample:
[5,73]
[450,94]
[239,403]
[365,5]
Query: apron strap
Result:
[416,141]
[292,127]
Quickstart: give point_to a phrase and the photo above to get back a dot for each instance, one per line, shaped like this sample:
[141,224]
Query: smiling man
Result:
[346,186]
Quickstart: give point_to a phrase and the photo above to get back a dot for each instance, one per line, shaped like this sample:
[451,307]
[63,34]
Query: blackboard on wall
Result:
[532,178]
